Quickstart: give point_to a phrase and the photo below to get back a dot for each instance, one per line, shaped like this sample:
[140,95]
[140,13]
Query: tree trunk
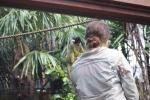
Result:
[135,42]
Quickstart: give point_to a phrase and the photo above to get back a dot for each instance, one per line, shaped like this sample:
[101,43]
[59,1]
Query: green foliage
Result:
[117,33]
[117,41]
[35,61]
[58,76]
[66,92]
[14,21]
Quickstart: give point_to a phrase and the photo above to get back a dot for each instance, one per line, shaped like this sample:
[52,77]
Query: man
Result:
[102,73]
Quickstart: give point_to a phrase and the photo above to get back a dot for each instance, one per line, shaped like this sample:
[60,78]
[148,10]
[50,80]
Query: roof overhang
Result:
[137,11]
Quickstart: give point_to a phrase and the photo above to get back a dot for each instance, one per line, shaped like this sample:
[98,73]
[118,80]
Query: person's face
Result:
[92,41]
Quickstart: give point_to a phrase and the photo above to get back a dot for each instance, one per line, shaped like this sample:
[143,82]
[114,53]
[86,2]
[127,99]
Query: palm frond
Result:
[36,59]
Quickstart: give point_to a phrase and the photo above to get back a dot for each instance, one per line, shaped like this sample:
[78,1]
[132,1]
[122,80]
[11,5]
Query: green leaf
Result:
[120,37]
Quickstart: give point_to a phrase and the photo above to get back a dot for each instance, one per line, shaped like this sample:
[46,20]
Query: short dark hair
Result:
[97,28]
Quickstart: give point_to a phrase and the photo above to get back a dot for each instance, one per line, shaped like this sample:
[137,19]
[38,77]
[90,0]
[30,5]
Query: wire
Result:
[44,30]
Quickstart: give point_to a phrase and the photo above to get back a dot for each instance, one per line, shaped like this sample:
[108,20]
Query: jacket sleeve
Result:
[127,80]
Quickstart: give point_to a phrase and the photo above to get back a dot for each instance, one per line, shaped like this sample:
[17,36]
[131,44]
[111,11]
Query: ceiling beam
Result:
[135,2]
[137,11]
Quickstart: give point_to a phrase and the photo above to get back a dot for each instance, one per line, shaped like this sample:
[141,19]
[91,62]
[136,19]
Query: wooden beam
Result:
[124,10]
[135,2]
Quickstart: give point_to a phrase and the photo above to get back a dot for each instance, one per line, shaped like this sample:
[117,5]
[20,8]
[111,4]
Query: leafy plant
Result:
[35,61]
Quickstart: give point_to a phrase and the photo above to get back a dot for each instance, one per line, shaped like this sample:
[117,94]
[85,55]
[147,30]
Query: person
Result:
[102,73]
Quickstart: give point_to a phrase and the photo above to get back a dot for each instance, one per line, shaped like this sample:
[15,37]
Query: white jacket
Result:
[103,74]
